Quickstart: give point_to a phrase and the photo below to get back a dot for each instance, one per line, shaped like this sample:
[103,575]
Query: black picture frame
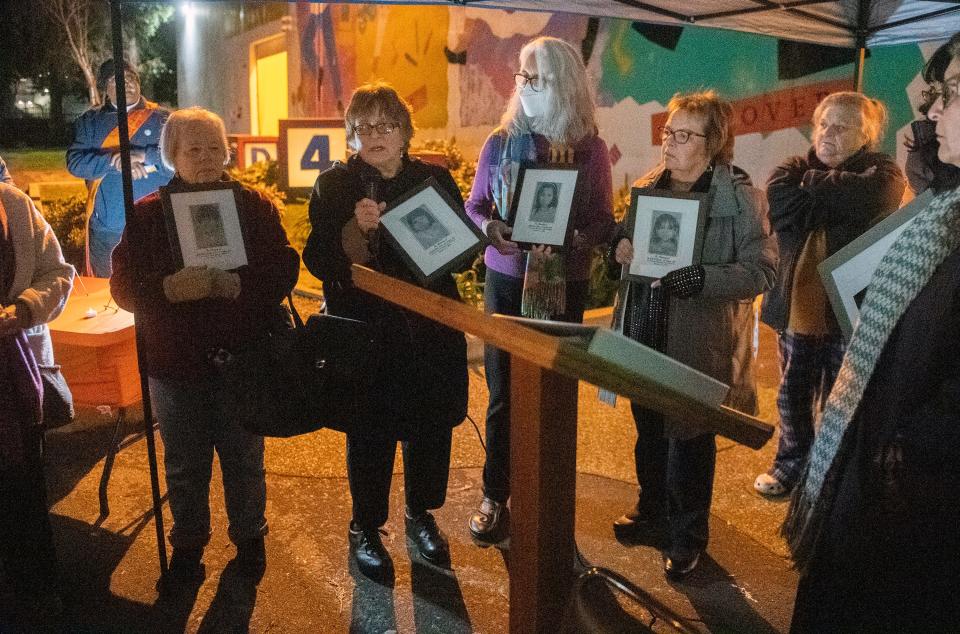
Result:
[217,204]
[654,257]
[448,242]
[555,229]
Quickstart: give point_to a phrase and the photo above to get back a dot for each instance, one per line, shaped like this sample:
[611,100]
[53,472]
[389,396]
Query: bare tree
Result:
[75,19]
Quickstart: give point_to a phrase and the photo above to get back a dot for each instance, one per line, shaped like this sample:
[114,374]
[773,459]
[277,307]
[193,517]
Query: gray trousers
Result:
[192,425]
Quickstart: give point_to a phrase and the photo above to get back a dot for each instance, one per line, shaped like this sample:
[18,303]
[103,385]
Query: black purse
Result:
[300,377]
[57,397]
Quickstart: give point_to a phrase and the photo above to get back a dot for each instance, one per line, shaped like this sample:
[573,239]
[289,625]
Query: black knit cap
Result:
[108,70]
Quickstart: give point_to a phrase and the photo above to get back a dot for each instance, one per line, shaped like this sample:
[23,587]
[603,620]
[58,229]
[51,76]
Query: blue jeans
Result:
[192,425]
[502,294]
[101,246]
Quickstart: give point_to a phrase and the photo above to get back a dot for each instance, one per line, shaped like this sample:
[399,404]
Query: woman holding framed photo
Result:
[551,114]
[419,382]
[186,316]
[700,315]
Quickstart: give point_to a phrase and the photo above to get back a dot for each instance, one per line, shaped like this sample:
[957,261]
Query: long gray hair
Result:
[570,109]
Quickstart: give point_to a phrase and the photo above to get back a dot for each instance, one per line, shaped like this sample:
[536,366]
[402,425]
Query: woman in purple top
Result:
[550,115]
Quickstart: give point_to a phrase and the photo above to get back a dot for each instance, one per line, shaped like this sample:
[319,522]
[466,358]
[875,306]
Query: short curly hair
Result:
[375,98]
[717,115]
[873,114]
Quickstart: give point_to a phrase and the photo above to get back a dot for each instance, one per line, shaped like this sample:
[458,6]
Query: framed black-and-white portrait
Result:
[666,230]
[431,232]
[847,273]
[204,226]
[540,210]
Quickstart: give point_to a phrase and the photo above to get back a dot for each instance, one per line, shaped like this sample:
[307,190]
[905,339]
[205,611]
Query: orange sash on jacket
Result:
[135,120]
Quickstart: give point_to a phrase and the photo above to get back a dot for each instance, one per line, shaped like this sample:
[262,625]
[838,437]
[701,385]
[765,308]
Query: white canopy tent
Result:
[854,24]
[843,23]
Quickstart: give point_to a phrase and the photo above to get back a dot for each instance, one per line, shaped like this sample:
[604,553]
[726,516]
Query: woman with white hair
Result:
[550,117]
[818,204]
[183,316]
[872,524]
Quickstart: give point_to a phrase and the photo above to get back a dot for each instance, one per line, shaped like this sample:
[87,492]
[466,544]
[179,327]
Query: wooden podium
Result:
[545,370]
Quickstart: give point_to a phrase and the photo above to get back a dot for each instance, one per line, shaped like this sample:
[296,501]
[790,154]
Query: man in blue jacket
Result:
[94,156]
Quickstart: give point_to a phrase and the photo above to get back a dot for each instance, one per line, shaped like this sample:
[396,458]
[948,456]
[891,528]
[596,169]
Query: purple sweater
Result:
[592,203]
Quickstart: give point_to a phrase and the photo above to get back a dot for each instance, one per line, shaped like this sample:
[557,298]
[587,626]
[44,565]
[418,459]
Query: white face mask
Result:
[534,104]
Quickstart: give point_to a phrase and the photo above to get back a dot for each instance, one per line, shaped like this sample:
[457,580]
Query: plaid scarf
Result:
[904,271]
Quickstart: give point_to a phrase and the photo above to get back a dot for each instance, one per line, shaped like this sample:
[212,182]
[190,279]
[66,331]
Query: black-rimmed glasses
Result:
[680,136]
[366,129]
[931,95]
[523,80]
[950,88]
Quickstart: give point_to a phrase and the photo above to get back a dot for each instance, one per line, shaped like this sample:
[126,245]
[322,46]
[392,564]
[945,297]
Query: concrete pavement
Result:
[744,585]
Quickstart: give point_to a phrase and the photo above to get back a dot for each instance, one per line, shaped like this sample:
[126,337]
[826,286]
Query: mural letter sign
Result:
[305,148]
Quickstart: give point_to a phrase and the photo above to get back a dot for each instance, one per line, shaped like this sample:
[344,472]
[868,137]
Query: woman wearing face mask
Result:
[818,204]
[700,315]
[550,115]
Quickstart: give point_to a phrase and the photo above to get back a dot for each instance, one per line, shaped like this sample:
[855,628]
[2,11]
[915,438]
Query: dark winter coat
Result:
[421,367]
[179,336]
[806,195]
[889,556]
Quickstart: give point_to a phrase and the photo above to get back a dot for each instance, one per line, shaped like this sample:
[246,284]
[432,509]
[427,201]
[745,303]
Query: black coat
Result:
[420,372]
[889,555]
[806,195]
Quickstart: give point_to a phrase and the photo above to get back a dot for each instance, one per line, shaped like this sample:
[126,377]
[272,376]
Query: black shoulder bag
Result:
[300,377]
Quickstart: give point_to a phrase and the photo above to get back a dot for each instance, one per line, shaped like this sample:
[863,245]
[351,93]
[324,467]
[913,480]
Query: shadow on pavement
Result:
[438,604]
[720,601]
[373,606]
[232,606]
[70,454]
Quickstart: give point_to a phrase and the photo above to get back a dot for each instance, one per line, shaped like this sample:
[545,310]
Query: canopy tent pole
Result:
[863,26]
[116,18]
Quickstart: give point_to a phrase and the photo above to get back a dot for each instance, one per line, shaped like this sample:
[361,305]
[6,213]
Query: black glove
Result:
[685,282]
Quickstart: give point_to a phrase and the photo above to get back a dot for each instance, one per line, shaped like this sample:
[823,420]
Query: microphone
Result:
[370,180]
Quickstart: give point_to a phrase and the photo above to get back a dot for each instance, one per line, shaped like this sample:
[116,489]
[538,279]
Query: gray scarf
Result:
[904,271]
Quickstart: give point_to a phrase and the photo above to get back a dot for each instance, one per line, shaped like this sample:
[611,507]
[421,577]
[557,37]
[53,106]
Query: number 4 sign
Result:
[305,148]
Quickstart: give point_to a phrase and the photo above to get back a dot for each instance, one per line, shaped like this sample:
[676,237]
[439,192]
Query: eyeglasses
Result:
[950,88]
[680,136]
[931,95]
[366,129]
[523,80]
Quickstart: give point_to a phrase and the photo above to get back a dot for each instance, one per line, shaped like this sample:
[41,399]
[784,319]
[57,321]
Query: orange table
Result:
[98,356]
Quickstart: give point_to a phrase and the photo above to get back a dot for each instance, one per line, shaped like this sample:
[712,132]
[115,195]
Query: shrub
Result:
[262,177]
[67,218]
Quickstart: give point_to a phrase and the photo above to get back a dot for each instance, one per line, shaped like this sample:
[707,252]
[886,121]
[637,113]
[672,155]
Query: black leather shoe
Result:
[679,567]
[640,528]
[490,524]
[373,560]
[431,544]
[252,558]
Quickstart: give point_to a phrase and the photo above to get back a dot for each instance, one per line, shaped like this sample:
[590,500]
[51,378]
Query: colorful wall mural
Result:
[454,66]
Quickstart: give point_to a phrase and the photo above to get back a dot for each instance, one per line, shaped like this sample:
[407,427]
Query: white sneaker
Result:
[766,484]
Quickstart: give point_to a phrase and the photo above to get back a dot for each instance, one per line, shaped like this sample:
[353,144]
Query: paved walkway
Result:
[744,585]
